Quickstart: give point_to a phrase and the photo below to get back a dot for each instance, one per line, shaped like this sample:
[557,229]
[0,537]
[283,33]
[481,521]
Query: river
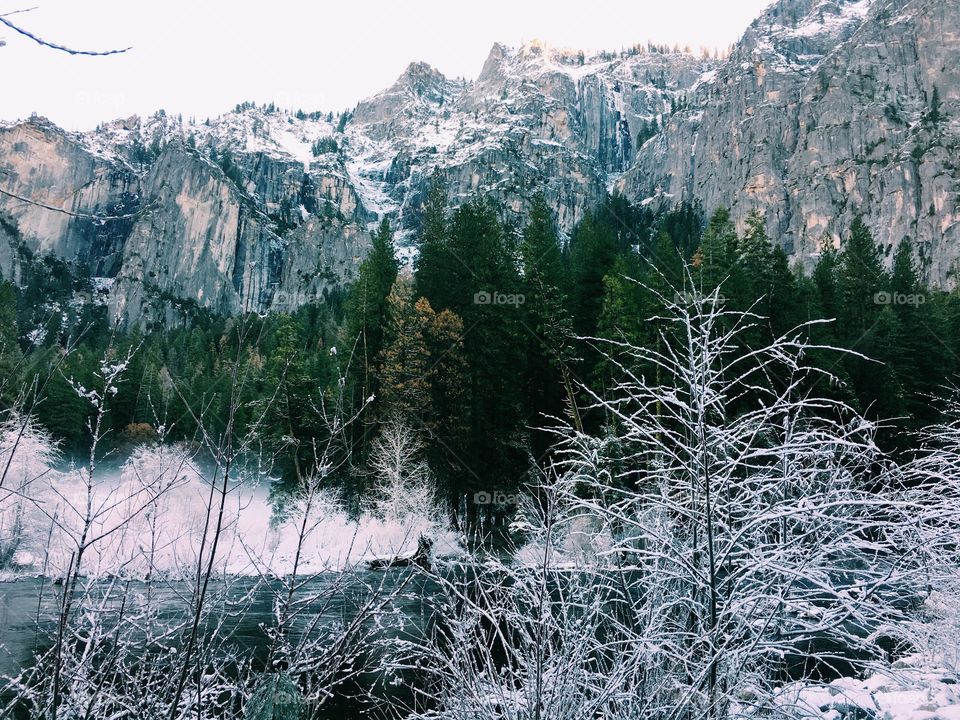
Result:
[28,610]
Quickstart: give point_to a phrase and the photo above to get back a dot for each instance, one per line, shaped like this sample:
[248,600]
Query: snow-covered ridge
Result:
[811,18]
[536,58]
[289,195]
[831,17]
[793,37]
[535,100]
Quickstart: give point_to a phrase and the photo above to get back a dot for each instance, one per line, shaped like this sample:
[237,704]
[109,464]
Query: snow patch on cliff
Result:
[824,20]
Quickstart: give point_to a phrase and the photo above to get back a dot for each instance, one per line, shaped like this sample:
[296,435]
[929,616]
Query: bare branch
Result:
[55,46]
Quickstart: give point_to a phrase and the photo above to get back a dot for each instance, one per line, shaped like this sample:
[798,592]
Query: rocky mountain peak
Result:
[823,110]
[264,193]
[416,95]
[492,65]
[826,110]
[422,78]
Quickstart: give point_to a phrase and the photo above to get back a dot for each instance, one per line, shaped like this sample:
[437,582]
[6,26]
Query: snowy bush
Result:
[403,503]
[932,482]
[576,537]
[754,537]
[739,541]
[519,640]
[27,458]
[403,491]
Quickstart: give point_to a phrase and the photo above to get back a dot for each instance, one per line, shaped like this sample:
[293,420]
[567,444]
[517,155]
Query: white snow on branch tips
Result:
[696,553]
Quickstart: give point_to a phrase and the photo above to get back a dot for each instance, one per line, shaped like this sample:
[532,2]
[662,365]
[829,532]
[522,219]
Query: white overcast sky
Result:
[201,57]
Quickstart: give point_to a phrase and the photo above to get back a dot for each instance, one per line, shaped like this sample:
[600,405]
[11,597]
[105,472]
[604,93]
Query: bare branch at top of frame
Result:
[46,43]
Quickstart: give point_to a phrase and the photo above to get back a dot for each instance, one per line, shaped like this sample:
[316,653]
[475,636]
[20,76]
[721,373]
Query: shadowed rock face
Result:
[202,240]
[823,110]
[191,237]
[42,163]
[264,210]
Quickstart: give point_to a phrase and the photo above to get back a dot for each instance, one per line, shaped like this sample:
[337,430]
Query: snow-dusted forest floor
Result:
[922,685]
[913,689]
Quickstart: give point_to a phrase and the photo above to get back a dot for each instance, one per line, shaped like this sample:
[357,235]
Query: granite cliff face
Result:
[824,109]
[263,210]
[41,162]
[189,235]
[205,242]
[534,119]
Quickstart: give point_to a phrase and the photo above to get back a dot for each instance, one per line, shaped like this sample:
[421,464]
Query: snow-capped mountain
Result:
[265,209]
[824,109]
[827,109]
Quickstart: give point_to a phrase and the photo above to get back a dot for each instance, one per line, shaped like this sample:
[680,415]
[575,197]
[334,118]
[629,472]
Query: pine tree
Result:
[683,224]
[290,414]
[449,378]
[593,252]
[827,292]
[433,260]
[61,410]
[473,272]
[920,357]
[716,258]
[860,277]
[754,255]
[540,250]
[133,384]
[10,355]
[768,285]
[667,267]
[882,388]
[861,282]
[629,301]
[367,308]
[547,322]
[934,114]
[783,306]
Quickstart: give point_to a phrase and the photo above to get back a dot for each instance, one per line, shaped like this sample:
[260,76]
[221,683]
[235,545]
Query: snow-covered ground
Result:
[149,518]
[924,685]
[913,689]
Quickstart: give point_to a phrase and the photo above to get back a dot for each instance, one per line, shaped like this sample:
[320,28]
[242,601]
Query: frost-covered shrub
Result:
[404,491]
[737,541]
[577,538]
[275,697]
[752,535]
[932,482]
[403,504]
[27,458]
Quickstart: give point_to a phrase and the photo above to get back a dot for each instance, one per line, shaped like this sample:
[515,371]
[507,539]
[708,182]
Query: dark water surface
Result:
[29,606]
[28,610]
